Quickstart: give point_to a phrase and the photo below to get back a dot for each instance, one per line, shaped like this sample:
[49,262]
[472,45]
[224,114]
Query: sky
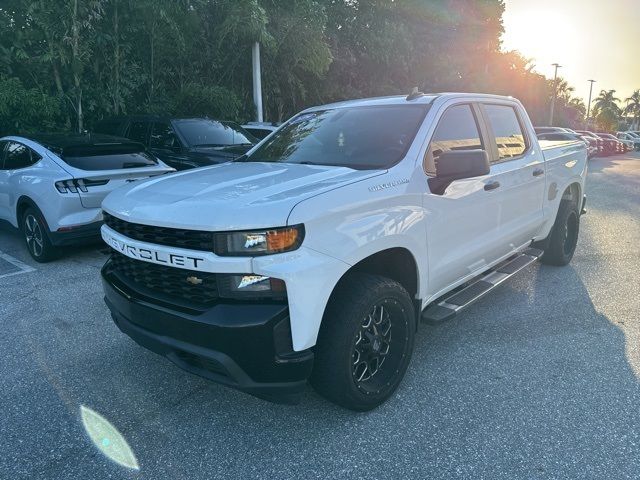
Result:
[591,39]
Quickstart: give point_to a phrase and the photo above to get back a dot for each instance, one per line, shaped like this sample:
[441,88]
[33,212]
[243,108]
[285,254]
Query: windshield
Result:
[201,132]
[358,137]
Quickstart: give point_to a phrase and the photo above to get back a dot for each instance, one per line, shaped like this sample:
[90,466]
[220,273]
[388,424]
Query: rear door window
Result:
[456,130]
[138,131]
[19,156]
[507,131]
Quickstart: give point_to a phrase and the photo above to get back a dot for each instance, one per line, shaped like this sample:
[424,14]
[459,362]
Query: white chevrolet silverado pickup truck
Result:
[315,256]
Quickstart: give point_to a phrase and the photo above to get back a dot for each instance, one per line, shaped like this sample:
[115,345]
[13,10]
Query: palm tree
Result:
[606,101]
[633,106]
[564,90]
[606,109]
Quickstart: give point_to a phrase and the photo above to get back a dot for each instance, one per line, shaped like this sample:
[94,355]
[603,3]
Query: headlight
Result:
[260,242]
[251,286]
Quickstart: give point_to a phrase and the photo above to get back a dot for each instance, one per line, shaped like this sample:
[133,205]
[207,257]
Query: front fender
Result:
[350,231]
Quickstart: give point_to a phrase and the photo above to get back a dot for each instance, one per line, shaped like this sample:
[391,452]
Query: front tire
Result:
[36,238]
[365,342]
[562,241]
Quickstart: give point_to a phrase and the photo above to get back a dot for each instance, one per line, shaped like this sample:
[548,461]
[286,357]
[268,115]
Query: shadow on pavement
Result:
[532,382]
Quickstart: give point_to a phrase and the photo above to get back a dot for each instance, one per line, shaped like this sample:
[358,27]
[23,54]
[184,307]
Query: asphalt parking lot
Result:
[537,380]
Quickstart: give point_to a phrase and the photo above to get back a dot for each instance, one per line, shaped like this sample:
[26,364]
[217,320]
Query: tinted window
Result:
[200,132]
[356,137]
[18,155]
[506,127]
[113,157]
[138,131]
[456,130]
[163,136]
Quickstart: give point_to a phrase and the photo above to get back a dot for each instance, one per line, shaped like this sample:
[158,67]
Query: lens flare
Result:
[108,439]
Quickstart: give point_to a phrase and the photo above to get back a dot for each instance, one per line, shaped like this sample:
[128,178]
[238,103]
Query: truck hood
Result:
[230,196]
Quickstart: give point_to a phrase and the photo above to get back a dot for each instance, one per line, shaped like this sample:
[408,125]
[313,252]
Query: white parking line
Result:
[22,267]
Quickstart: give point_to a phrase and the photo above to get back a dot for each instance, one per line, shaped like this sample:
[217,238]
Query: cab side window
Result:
[163,136]
[509,136]
[18,156]
[456,130]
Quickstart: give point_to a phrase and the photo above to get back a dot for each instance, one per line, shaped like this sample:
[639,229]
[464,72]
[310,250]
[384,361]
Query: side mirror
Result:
[456,165]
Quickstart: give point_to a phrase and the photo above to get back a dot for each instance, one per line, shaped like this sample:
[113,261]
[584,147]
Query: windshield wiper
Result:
[210,145]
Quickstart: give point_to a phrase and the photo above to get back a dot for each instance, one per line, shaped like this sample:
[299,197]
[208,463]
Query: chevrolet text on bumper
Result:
[315,256]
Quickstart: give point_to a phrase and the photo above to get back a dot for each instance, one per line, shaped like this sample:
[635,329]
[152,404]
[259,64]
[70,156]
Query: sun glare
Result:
[555,41]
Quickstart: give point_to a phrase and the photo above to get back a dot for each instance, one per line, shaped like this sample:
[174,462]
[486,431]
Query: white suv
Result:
[51,186]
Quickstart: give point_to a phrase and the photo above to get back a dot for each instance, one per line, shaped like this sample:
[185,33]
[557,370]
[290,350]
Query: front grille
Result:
[165,283]
[173,237]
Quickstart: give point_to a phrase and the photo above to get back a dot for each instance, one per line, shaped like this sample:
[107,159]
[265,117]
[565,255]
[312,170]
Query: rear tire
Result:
[562,241]
[365,342]
[36,237]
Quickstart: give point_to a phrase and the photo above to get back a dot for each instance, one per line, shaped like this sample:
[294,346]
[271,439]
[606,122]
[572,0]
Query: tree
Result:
[67,29]
[193,57]
[606,109]
[633,106]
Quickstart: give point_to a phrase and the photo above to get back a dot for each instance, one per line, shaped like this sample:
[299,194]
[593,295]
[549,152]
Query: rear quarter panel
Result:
[565,164]
[37,183]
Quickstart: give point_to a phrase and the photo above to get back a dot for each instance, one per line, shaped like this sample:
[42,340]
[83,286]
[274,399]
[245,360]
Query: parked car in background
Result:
[183,143]
[316,255]
[52,186]
[630,137]
[591,143]
[260,130]
[619,146]
[605,147]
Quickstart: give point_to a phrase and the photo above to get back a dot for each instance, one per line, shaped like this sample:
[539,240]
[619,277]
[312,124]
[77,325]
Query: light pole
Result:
[555,92]
[257,80]
[589,104]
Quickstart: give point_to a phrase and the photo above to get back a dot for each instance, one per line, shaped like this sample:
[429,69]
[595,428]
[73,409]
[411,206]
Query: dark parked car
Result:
[591,143]
[539,130]
[182,143]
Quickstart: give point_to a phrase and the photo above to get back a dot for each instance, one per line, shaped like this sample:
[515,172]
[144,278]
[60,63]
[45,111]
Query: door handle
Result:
[537,172]
[491,186]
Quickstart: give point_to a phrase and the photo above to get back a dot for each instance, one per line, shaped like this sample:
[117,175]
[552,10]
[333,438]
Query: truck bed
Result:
[553,149]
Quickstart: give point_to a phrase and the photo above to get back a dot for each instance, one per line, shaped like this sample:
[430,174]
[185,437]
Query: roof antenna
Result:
[414,94]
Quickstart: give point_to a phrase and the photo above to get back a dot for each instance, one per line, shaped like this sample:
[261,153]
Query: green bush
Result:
[26,109]
[197,100]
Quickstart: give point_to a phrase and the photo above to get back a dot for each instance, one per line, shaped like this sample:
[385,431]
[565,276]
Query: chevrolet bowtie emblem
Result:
[194,280]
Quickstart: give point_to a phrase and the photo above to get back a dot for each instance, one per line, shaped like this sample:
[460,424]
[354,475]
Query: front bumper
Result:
[246,346]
